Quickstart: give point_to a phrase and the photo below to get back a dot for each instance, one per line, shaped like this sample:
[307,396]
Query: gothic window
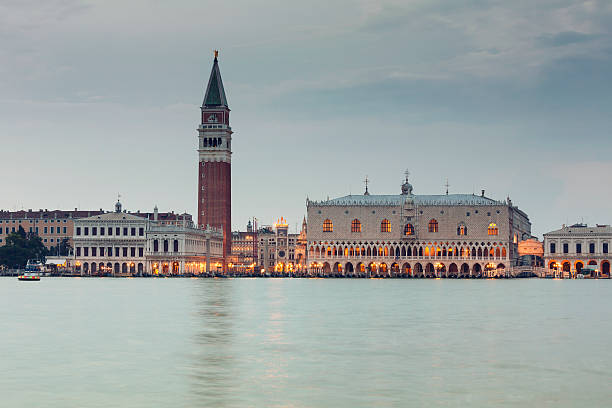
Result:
[433,225]
[461,229]
[492,230]
[328,226]
[385,226]
[356,225]
[205,142]
[408,229]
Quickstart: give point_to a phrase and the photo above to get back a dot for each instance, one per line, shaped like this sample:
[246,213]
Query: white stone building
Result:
[129,244]
[572,248]
[414,235]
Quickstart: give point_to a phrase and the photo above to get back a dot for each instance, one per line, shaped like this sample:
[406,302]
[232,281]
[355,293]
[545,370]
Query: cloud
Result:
[565,38]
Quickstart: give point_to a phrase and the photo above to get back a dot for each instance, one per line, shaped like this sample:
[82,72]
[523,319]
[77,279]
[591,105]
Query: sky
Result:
[102,97]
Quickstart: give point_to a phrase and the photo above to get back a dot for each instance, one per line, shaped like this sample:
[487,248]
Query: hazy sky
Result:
[514,97]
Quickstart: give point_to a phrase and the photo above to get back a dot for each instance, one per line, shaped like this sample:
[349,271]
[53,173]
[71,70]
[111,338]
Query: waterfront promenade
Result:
[510,273]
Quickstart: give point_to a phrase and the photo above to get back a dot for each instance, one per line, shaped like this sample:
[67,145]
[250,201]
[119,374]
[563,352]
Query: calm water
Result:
[304,343]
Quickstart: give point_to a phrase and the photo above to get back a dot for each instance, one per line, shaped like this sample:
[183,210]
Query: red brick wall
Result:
[215,199]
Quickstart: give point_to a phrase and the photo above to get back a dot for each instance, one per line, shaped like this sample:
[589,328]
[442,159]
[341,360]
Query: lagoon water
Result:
[70,342]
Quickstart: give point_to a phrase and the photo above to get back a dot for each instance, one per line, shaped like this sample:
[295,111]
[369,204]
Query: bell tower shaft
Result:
[214,156]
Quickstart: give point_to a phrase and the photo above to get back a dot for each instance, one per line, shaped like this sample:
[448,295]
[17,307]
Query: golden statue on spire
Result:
[216,53]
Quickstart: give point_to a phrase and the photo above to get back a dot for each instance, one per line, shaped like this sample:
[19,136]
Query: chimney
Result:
[482,193]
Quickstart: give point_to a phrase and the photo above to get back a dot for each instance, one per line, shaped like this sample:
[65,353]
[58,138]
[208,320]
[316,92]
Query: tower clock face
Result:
[281,254]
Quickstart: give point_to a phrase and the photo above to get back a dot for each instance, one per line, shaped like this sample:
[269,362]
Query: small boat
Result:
[31,273]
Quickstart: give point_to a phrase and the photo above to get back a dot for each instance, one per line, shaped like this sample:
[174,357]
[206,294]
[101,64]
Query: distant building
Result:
[574,247]
[279,250]
[51,226]
[244,250]
[144,244]
[414,235]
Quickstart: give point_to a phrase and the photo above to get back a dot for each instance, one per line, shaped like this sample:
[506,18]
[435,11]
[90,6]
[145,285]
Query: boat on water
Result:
[31,273]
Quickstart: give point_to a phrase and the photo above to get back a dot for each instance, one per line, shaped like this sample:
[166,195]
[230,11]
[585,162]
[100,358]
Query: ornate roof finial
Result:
[406,187]
[216,54]
[366,186]
[447,186]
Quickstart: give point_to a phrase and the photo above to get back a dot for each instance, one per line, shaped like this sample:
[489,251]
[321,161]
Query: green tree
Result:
[21,247]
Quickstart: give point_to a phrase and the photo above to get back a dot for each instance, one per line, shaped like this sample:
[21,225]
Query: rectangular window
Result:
[605,248]
[141,231]
[133,252]
[78,251]
[125,252]
[578,248]
[117,252]
[94,251]
[94,230]
[565,248]
[117,231]
[125,231]
[553,247]
[86,231]
[85,251]
[102,230]
[65,231]
[30,229]
[133,232]
[109,251]
[36,230]
[140,252]
[592,248]
[101,251]
[110,230]
[44,231]
[52,230]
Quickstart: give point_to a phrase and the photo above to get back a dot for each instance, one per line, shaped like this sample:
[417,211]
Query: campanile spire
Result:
[214,155]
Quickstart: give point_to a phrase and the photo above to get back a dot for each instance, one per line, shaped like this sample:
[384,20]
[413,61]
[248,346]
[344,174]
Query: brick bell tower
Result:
[215,158]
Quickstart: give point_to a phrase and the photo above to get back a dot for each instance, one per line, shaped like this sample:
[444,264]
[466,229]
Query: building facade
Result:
[279,251]
[458,235]
[572,248]
[140,244]
[51,226]
[244,250]
[215,158]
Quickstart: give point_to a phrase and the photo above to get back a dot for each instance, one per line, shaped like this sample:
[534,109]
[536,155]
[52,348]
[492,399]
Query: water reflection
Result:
[212,362]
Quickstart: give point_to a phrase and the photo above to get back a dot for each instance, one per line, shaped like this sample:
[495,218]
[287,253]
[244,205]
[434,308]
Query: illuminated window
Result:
[356,225]
[385,226]
[433,226]
[328,226]
[493,229]
[462,229]
[408,229]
